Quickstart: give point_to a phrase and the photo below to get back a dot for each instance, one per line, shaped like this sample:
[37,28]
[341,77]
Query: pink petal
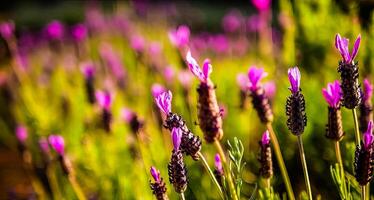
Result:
[207,69]
[368,137]
[155,174]
[265,140]
[194,67]
[356,47]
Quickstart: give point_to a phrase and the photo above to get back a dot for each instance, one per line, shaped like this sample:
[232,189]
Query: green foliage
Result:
[236,152]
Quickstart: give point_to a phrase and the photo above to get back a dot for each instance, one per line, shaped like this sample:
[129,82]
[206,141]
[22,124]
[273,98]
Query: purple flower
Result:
[79,32]
[185,78]
[232,21]
[242,81]
[294,77]
[180,37]
[368,90]
[169,74]
[203,75]
[262,5]
[57,143]
[154,49]
[219,43]
[368,137]
[164,102]
[218,163]
[270,89]
[127,114]
[333,94]
[112,60]
[157,89]
[104,99]
[137,43]
[265,139]
[88,69]
[255,75]
[7,29]
[176,135]
[342,45]
[55,30]
[43,144]
[155,174]
[21,133]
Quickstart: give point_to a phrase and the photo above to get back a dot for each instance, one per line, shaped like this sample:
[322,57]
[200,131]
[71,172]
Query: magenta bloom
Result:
[262,5]
[127,114]
[43,144]
[104,99]
[219,43]
[180,37]
[79,32]
[55,30]
[265,139]
[203,75]
[242,81]
[176,135]
[185,78]
[232,21]
[270,89]
[154,49]
[155,174]
[157,89]
[368,137]
[294,77]
[333,94]
[113,60]
[255,75]
[218,163]
[137,43]
[368,90]
[169,74]
[342,45]
[164,102]
[88,69]
[21,133]
[57,143]
[7,29]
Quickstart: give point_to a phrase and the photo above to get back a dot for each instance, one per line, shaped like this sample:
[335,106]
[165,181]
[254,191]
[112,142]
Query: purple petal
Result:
[137,43]
[104,99]
[344,42]
[332,94]
[207,69]
[155,174]
[368,137]
[164,102]
[194,67]
[127,115]
[79,32]
[88,69]
[265,139]
[21,133]
[242,81]
[180,37]
[355,48]
[255,75]
[294,77]
[218,163]
[337,41]
[57,143]
[368,90]
[157,89]
[176,135]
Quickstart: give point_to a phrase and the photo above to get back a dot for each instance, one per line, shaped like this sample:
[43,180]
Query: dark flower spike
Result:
[364,155]
[295,107]
[265,158]
[366,107]
[259,99]
[342,45]
[158,186]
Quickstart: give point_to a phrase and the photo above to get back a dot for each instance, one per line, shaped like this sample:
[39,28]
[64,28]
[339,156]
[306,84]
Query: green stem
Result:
[340,161]
[77,189]
[206,165]
[363,192]
[305,168]
[182,196]
[282,166]
[357,132]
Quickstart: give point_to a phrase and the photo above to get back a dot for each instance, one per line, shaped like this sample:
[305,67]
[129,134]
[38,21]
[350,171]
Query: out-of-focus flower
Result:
[113,61]
[368,90]
[341,44]
[265,139]
[55,30]
[164,102]
[202,75]
[262,5]
[127,114]
[218,163]
[232,21]
[88,69]
[57,143]
[157,89]
[219,43]
[137,42]
[255,75]
[185,78]
[79,32]
[43,145]
[104,99]
[180,37]
[169,74]
[255,23]
[333,94]
[294,77]
[21,134]
[242,81]
[154,49]
[7,29]
[270,89]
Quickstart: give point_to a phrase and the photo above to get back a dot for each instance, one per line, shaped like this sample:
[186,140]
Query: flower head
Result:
[180,37]
[7,29]
[137,43]
[368,90]
[218,163]
[164,102]
[242,81]
[202,75]
[265,139]
[176,135]
[88,69]
[79,32]
[127,114]
[43,145]
[232,21]
[21,133]
[57,143]
[333,94]
[55,30]
[262,5]
[104,98]
[169,74]
[294,77]
[368,137]
[342,45]
[155,174]
[255,75]
[157,89]
[154,49]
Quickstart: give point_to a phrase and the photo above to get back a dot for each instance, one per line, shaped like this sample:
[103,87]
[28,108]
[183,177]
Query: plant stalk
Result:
[182,196]
[363,192]
[77,189]
[282,166]
[305,168]
[206,165]
[227,171]
[340,162]
[357,131]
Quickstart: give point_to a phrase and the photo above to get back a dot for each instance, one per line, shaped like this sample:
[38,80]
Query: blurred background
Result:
[43,88]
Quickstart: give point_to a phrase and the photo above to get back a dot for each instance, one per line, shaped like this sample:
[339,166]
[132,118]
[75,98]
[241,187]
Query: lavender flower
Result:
[79,32]
[88,70]
[176,168]
[218,169]
[104,99]
[210,119]
[265,139]
[158,187]
[57,143]
[132,119]
[295,107]
[270,89]
[113,61]
[157,89]
[180,37]
[348,70]
[43,145]
[232,21]
[265,158]
[259,99]
[364,157]
[55,30]
[21,134]
[332,95]
[176,135]
[7,29]
[185,79]
[137,43]
[262,5]
[164,102]
[366,107]
[169,74]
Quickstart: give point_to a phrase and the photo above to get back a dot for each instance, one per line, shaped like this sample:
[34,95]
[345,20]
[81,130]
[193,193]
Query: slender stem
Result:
[363,192]
[206,165]
[182,196]
[357,132]
[282,166]
[53,181]
[77,189]
[227,171]
[267,183]
[305,168]
[340,161]
[368,190]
